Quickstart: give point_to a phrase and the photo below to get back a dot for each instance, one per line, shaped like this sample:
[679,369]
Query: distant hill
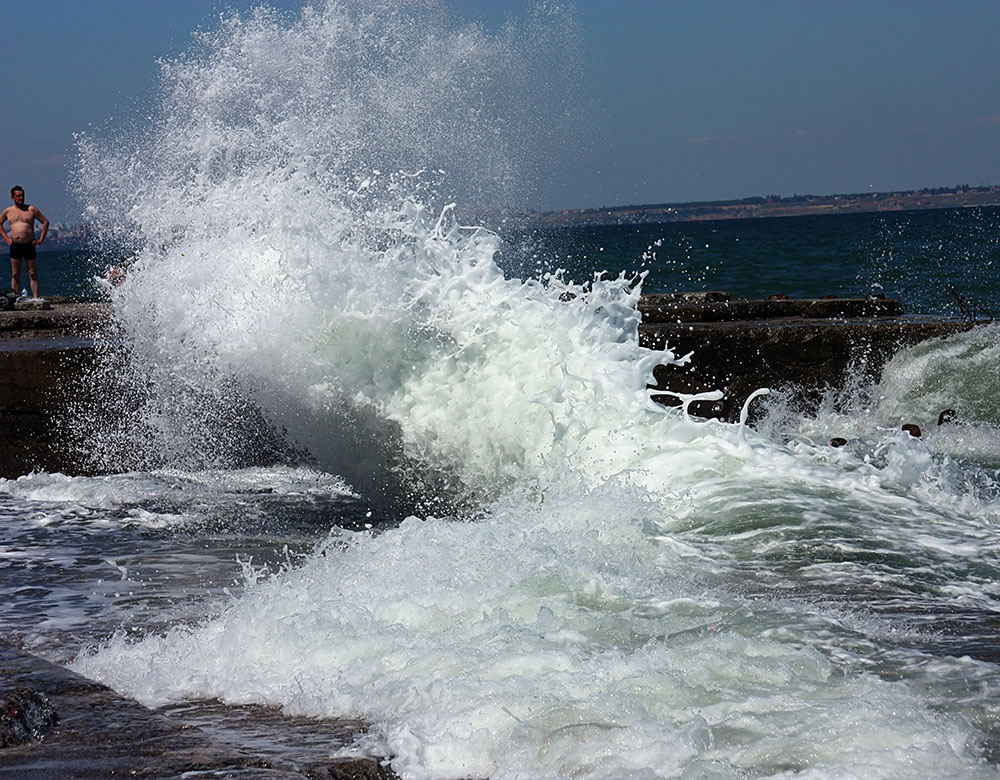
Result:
[777,206]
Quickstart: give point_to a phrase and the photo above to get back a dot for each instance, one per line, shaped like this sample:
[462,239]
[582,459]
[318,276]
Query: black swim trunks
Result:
[22,251]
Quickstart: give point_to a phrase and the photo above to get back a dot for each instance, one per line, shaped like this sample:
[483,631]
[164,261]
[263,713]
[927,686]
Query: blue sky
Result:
[688,100]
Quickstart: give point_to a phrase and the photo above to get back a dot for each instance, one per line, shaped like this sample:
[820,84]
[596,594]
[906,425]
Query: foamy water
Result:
[571,581]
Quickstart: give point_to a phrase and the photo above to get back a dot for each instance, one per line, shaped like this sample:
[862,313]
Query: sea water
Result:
[68,272]
[934,262]
[366,472]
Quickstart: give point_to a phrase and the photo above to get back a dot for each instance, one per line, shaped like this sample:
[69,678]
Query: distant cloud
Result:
[992,119]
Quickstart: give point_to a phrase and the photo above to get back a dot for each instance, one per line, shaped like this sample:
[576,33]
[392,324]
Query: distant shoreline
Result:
[74,237]
[773,206]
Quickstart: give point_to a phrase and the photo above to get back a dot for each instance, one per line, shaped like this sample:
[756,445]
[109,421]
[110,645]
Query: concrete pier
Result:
[805,344]
[93,734]
[738,345]
[43,355]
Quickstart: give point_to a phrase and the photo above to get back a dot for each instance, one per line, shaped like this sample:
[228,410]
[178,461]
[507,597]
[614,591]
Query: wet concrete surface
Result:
[800,346]
[54,318]
[102,735]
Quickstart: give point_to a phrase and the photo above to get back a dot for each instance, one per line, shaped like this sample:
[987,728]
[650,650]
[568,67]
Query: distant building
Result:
[65,236]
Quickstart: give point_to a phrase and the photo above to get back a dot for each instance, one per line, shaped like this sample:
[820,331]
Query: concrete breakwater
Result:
[45,352]
[738,346]
[805,345]
[88,732]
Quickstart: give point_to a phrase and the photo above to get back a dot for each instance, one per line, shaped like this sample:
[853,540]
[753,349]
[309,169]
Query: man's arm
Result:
[45,225]
[3,218]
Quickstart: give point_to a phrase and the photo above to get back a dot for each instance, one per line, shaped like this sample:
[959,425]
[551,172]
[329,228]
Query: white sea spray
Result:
[637,593]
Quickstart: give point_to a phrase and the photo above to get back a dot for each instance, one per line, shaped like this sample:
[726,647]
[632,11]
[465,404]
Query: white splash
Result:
[604,615]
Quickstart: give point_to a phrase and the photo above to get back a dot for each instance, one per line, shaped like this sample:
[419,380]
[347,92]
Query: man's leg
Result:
[33,276]
[15,274]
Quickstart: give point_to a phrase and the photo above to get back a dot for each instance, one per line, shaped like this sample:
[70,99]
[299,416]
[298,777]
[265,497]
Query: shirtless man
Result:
[21,239]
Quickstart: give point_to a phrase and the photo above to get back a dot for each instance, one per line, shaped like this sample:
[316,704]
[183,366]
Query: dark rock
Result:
[33,304]
[701,297]
[25,716]
[55,319]
[353,769]
[37,379]
[738,345]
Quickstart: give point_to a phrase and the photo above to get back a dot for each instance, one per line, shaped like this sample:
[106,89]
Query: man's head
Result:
[17,193]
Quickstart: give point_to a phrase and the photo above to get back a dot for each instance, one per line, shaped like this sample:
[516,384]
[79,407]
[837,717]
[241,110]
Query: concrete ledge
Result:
[57,317]
[805,345]
[718,307]
[739,346]
[99,734]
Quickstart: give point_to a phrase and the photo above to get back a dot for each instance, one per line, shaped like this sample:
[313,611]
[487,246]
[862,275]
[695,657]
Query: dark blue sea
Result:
[923,258]
[69,272]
